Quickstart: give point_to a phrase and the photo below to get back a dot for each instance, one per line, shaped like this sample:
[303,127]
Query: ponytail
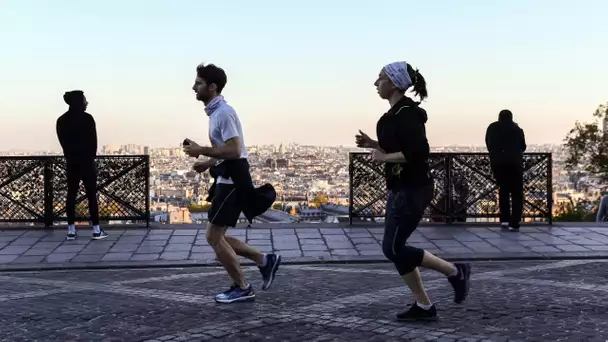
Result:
[418,83]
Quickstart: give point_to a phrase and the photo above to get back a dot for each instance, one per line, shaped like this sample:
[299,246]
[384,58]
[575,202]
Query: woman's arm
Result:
[413,144]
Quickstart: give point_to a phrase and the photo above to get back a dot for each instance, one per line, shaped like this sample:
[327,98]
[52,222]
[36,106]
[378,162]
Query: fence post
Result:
[448,188]
[48,192]
[350,186]
[550,187]
[147,173]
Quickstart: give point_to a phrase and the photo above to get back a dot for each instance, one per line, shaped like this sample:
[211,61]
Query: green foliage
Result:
[587,147]
[583,211]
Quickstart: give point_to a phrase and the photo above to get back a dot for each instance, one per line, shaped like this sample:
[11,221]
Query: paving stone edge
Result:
[298,261]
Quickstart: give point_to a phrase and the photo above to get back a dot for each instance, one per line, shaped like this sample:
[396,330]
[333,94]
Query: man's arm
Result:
[204,165]
[490,138]
[60,133]
[523,141]
[208,163]
[232,150]
[231,137]
[211,161]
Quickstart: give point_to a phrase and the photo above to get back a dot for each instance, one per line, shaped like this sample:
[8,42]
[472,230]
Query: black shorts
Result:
[226,206]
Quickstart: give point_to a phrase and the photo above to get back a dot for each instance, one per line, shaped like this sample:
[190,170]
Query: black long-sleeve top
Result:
[402,129]
[77,135]
[506,142]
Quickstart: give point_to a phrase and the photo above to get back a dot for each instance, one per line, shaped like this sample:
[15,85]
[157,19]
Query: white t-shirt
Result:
[224,124]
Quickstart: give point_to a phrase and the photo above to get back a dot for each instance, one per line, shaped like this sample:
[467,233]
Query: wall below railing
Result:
[34,189]
[465,188]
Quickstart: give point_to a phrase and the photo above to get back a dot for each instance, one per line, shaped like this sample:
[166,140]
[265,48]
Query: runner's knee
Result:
[387,249]
[411,259]
[214,234]
[406,258]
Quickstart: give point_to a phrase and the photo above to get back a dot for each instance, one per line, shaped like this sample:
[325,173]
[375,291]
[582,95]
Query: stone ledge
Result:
[332,260]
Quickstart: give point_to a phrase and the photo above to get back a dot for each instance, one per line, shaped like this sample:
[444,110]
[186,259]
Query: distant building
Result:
[279,163]
[181,216]
[312,215]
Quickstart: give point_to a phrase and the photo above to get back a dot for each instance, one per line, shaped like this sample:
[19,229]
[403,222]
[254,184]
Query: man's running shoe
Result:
[268,272]
[236,294]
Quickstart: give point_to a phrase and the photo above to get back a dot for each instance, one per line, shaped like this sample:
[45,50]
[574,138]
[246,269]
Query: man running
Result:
[228,156]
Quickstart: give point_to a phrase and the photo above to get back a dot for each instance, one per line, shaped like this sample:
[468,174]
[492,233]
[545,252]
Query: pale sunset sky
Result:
[298,71]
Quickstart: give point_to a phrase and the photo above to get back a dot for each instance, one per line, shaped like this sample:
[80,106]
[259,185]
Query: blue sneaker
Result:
[236,294]
[268,272]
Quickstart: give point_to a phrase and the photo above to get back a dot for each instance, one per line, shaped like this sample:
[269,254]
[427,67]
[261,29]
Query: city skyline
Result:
[118,146]
[292,81]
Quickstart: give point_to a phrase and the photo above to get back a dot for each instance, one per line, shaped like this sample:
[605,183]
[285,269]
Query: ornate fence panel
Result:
[34,189]
[465,187]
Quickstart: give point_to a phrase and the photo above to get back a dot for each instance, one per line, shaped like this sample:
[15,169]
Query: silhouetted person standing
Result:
[78,138]
[506,144]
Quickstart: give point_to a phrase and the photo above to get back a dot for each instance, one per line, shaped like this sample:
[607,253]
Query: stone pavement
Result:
[509,301]
[186,245]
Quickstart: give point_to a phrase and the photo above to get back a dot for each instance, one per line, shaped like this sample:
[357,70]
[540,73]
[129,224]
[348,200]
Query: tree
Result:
[199,208]
[587,145]
[320,200]
[578,212]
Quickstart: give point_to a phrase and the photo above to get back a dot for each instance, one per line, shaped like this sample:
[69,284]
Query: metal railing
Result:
[465,187]
[34,189]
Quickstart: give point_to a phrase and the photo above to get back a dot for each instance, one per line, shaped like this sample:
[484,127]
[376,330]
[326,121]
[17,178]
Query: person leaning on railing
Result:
[77,135]
[602,210]
[506,143]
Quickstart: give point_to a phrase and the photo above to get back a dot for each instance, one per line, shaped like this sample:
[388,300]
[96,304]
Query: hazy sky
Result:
[298,71]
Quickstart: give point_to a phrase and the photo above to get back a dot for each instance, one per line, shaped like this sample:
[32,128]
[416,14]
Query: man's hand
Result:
[201,166]
[191,148]
[378,156]
[363,140]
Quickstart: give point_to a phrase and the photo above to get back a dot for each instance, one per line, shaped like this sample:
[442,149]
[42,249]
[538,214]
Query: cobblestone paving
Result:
[509,301]
[39,248]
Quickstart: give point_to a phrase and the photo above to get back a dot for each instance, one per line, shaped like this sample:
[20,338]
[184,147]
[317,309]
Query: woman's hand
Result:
[363,140]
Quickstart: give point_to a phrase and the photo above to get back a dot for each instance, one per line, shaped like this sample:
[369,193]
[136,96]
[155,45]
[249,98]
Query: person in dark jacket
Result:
[78,138]
[404,149]
[506,145]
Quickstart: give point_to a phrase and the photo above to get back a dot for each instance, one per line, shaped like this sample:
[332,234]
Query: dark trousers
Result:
[86,172]
[509,177]
[404,210]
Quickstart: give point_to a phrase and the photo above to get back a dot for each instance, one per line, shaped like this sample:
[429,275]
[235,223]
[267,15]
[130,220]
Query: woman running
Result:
[404,149]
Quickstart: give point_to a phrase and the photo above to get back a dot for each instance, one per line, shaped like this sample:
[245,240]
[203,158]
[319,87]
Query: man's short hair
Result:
[74,98]
[212,75]
[505,115]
